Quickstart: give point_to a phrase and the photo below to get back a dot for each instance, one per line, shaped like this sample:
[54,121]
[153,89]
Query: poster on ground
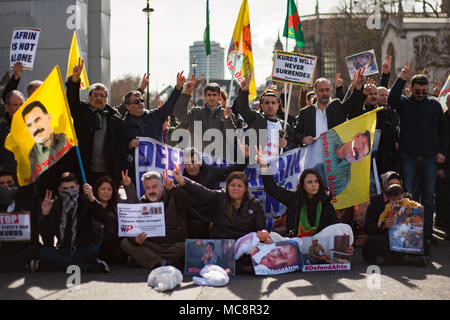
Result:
[202,252]
[406,235]
[326,253]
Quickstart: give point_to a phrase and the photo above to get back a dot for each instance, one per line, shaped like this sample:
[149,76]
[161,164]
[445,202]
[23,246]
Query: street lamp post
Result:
[147,10]
[194,68]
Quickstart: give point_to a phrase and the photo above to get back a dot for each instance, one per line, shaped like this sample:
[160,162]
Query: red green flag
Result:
[293,26]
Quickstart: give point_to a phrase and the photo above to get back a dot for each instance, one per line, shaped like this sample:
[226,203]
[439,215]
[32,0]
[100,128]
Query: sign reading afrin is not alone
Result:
[24,44]
[294,68]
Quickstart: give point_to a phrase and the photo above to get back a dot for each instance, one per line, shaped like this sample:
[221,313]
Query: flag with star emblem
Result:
[293,26]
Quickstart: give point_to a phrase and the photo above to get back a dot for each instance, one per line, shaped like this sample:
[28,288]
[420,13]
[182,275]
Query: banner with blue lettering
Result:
[152,155]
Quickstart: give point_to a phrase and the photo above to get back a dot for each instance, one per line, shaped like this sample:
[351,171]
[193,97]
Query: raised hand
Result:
[178,174]
[190,85]
[245,150]
[227,112]
[47,203]
[367,86]
[406,70]
[133,144]
[87,189]
[180,80]
[360,78]
[260,157]
[245,85]
[126,180]
[76,73]
[387,65]
[18,69]
[168,183]
[339,82]
[145,82]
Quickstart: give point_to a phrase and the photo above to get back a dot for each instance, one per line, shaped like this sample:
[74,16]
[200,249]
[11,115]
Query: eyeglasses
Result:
[417,92]
[138,101]
[98,95]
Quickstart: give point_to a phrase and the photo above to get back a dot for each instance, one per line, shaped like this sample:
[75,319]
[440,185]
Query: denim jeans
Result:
[63,258]
[411,168]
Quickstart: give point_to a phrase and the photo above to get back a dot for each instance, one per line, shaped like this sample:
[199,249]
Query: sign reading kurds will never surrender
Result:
[294,68]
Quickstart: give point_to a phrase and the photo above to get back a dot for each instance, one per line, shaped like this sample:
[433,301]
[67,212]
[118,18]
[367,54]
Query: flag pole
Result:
[83,175]
[207,68]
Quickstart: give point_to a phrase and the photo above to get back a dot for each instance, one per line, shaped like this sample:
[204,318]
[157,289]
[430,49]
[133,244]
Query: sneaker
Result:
[103,265]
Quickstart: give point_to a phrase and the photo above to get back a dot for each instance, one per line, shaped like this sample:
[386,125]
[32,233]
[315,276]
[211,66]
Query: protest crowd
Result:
[73,204]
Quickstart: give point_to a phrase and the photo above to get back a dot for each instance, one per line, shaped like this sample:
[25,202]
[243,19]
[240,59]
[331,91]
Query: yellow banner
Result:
[74,55]
[240,56]
[41,130]
[346,151]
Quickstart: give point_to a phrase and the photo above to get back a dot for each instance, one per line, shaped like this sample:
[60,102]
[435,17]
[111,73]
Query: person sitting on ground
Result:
[69,218]
[376,249]
[105,193]
[396,199]
[309,208]
[18,255]
[200,217]
[170,249]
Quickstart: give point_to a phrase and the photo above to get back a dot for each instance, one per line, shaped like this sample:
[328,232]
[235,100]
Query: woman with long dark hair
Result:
[237,211]
[309,208]
[106,196]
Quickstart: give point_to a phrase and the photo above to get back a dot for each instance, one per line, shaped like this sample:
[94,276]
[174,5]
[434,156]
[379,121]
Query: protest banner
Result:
[74,55]
[24,44]
[294,68]
[276,258]
[360,60]
[321,253]
[201,252]
[15,226]
[41,130]
[142,217]
[346,153]
[406,235]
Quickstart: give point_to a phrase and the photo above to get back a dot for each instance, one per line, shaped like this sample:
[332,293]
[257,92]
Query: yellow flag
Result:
[42,130]
[74,54]
[240,56]
[346,151]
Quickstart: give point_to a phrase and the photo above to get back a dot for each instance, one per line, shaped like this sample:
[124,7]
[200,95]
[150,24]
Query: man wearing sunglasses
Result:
[140,122]
[423,139]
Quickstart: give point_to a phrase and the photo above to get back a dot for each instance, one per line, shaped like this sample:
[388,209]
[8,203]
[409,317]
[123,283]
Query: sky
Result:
[176,24]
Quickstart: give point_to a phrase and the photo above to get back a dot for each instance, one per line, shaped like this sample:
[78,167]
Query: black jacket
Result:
[84,119]
[289,199]
[337,113]
[257,121]
[248,218]
[376,207]
[7,160]
[176,204]
[86,211]
[423,127]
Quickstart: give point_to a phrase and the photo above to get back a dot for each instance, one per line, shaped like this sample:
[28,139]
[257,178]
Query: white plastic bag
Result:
[164,278]
[212,275]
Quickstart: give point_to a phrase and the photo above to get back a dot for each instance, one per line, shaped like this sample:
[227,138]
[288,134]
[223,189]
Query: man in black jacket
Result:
[150,252]
[98,127]
[69,218]
[423,139]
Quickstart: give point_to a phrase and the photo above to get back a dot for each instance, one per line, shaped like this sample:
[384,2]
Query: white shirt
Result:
[273,140]
[315,152]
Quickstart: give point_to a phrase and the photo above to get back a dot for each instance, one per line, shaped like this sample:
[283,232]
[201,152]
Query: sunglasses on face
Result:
[423,92]
[138,101]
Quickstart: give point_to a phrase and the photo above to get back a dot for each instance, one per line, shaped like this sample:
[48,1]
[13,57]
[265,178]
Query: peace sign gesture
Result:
[145,81]
[126,180]
[406,70]
[47,203]
[77,69]
[245,85]
[190,85]
[180,80]
[260,157]
[178,174]
[387,65]
[168,183]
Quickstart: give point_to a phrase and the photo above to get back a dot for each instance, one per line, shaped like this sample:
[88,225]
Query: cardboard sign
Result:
[327,253]
[142,217]
[294,68]
[15,226]
[406,235]
[24,44]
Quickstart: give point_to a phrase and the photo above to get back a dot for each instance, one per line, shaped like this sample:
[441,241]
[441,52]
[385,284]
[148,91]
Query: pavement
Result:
[124,283]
